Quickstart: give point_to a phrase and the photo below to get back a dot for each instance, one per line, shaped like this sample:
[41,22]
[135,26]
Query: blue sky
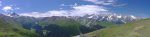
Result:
[126,7]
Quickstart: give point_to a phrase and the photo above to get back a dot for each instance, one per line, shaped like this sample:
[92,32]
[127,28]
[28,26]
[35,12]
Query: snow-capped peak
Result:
[119,16]
[12,14]
[132,16]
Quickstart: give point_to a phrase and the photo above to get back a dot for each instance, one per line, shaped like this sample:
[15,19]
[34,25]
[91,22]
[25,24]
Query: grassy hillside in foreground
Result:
[135,29]
[8,28]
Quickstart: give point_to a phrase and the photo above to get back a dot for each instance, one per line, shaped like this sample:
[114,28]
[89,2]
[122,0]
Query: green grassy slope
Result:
[135,29]
[8,28]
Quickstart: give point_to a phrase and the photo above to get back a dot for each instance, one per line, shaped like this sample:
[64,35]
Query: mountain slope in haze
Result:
[8,28]
[135,29]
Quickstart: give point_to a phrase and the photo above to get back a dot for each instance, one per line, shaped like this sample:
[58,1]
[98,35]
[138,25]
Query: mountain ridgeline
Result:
[10,28]
[14,25]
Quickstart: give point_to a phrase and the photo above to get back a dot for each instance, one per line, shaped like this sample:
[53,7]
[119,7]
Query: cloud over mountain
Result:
[7,8]
[75,11]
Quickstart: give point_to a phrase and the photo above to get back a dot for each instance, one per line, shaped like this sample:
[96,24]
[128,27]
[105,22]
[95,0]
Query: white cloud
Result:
[58,13]
[7,8]
[45,14]
[87,9]
[34,14]
[102,2]
[76,11]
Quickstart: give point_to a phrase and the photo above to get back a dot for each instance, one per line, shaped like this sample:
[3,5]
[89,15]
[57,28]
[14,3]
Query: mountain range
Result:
[58,26]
